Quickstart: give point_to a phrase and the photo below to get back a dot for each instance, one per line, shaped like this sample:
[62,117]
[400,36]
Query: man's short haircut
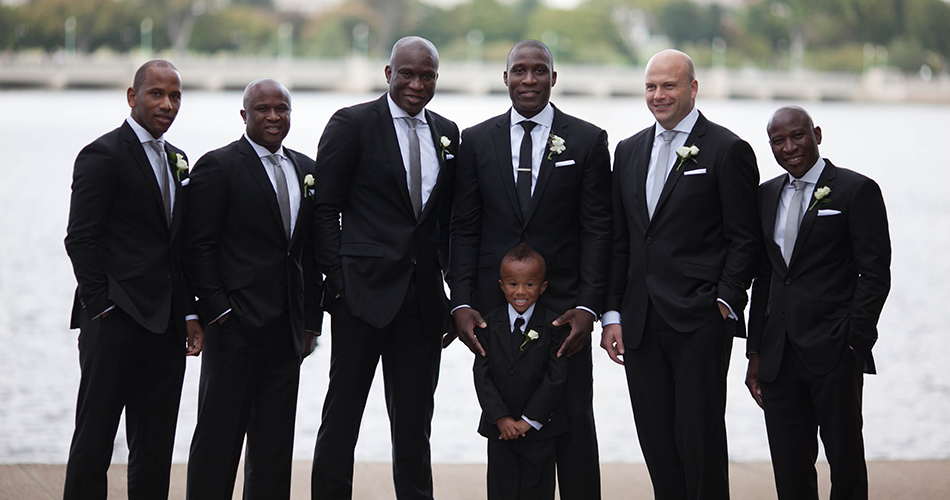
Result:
[139,78]
[407,41]
[257,83]
[533,44]
[524,253]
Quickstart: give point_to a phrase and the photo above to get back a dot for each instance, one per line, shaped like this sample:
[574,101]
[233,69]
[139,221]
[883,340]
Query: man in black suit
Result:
[249,257]
[537,175]
[387,167]
[133,307]
[685,238]
[815,305]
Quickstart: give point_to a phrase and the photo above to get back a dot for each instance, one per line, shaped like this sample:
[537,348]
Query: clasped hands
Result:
[511,429]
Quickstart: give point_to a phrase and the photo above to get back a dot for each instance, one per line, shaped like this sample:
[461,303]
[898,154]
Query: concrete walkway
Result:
[923,480]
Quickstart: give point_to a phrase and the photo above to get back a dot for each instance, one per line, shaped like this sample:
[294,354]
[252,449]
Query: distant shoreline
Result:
[358,74]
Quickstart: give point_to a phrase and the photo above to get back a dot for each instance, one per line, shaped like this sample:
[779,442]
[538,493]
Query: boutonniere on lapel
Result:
[445,143]
[686,153]
[528,337]
[821,196]
[555,145]
[181,166]
[308,184]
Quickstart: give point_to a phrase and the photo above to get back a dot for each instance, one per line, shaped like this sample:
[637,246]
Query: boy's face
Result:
[522,283]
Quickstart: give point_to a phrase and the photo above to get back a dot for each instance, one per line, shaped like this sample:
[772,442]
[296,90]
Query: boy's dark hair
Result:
[524,253]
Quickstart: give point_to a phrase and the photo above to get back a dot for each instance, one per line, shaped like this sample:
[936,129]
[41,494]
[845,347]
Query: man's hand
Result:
[466,318]
[310,343]
[612,341]
[582,323]
[724,310]
[752,379]
[196,337]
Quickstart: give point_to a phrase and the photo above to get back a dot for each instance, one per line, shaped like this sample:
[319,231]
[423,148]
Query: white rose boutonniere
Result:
[528,337]
[181,166]
[556,145]
[821,196]
[308,183]
[445,143]
[687,153]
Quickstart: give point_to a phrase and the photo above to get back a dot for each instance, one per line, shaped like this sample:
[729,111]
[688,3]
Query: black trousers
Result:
[410,373]
[125,366]
[245,390]
[677,383]
[798,406]
[578,460]
[520,470]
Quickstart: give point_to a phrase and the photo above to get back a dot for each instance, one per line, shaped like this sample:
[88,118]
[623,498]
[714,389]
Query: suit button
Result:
[649,240]
[511,372]
[788,282]
[524,236]
[413,261]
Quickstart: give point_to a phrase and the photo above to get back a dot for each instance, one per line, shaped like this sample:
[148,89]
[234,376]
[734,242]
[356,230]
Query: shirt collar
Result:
[398,112]
[544,118]
[513,315]
[685,125]
[140,132]
[810,177]
[262,151]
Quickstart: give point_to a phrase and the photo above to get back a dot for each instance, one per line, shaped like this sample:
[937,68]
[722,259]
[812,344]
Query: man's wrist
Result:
[610,318]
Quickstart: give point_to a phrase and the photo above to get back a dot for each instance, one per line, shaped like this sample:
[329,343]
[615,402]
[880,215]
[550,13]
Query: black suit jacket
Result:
[523,382]
[831,293]
[373,252]
[568,220]
[700,244]
[122,249]
[238,256]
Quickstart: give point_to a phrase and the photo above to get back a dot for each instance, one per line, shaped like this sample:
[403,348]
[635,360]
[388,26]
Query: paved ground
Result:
[925,480]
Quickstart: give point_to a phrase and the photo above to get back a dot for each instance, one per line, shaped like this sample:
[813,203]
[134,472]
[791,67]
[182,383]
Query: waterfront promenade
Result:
[889,480]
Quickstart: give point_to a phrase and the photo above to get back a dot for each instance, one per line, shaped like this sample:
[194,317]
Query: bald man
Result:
[815,305]
[686,232]
[249,259]
[388,165]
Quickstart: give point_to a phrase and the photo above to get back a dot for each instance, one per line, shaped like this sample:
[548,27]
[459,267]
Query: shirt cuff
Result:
[221,316]
[732,314]
[588,310]
[191,317]
[532,423]
[103,312]
[610,318]
[459,307]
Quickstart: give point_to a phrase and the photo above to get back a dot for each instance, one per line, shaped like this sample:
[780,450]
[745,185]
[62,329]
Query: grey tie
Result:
[415,167]
[662,163]
[793,220]
[158,147]
[283,196]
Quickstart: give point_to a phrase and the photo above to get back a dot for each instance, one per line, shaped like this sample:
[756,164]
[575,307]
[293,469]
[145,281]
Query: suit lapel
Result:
[641,165]
[558,127]
[827,178]
[302,220]
[387,134]
[137,150]
[256,168]
[771,197]
[436,141]
[502,141]
[695,138]
[501,330]
[537,324]
[176,178]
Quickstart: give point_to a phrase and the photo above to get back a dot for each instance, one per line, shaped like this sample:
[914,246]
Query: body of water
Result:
[903,147]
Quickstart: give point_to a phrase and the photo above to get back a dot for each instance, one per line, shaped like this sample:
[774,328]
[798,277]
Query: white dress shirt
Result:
[781,215]
[428,158]
[512,316]
[539,141]
[158,164]
[290,176]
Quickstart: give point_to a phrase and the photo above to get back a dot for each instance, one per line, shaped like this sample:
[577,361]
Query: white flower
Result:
[181,165]
[445,143]
[528,337]
[308,180]
[821,195]
[687,153]
[556,145]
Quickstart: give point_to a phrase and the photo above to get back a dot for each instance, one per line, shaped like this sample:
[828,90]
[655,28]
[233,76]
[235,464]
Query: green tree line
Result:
[828,35]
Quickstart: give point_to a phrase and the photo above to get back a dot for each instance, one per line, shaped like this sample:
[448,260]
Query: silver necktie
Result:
[659,176]
[415,167]
[283,196]
[158,147]
[793,220]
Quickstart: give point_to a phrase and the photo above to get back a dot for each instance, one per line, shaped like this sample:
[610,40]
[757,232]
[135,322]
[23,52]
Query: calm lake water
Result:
[903,147]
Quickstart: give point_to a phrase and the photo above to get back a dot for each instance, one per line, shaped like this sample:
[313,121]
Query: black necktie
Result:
[517,336]
[524,169]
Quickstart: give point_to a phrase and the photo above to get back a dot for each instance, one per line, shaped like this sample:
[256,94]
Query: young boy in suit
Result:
[519,383]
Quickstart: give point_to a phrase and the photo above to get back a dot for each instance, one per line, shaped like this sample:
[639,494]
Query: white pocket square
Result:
[695,171]
[449,156]
[185,182]
[564,163]
[828,211]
